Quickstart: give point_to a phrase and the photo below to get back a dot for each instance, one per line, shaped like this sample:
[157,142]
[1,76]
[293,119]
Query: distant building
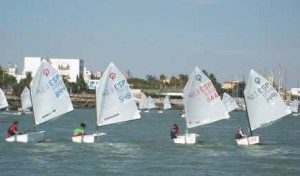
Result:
[87,74]
[295,91]
[230,84]
[98,74]
[13,71]
[71,68]
[31,65]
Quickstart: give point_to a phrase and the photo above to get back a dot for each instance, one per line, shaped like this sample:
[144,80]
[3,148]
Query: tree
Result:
[81,85]
[183,79]
[214,81]
[18,88]
[137,83]
[162,80]
[174,81]
[151,78]
[128,74]
[7,81]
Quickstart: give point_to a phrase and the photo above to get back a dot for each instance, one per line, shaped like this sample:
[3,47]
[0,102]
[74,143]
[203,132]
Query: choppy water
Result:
[143,148]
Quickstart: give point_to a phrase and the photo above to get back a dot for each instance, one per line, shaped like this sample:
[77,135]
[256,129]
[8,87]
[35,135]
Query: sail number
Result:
[120,84]
[123,90]
[57,85]
[208,90]
[252,96]
[266,91]
[123,97]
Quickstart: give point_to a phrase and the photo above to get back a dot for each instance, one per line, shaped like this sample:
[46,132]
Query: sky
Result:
[154,37]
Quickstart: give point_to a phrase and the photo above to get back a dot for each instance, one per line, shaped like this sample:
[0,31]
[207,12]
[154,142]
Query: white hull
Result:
[25,138]
[296,114]
[86,138]
[186,139]
[251,140]
[160,112]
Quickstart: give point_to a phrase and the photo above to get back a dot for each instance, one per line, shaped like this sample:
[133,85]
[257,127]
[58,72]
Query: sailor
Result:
[174,131]
[13,129]
[239,133]
[80,130]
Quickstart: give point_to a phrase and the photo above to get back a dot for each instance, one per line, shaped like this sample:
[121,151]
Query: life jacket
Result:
[12,130]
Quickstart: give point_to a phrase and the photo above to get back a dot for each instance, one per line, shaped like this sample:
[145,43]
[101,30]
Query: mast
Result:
[298,96]
[249,125]
[285,92]
[97,127]
[279,80]
[35,126]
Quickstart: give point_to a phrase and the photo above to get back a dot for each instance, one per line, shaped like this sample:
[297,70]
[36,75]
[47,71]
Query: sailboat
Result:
[263,106]
[167,104]
[3,100]
[114,102]
[50,100]
[229,102]
[202,105]
[150,103]
[26,101]
[294,107]
[143,102]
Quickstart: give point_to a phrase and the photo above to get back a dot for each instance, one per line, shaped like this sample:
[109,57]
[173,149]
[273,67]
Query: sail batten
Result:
[201,101]
[115,102]
[264,104]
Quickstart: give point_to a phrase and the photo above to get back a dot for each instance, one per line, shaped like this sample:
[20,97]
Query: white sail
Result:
[143,101]
[3,100]
[201,100]
[167,104]
[150,102]
[25,99]
[229,102]
[50,97]
[264,104]
[294,106]
[115,103]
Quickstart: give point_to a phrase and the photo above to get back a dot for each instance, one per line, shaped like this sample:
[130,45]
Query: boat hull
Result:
[90,138]
[186,139]
[251,140]
[30,137]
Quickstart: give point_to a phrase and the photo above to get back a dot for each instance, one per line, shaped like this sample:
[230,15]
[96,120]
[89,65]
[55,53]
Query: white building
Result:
[87,74]
[31,64]
[71,68]
[295,91]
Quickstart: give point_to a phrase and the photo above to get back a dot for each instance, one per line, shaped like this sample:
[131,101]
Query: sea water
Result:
[143,147]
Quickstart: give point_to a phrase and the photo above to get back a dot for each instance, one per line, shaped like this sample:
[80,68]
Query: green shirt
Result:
[78,131]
